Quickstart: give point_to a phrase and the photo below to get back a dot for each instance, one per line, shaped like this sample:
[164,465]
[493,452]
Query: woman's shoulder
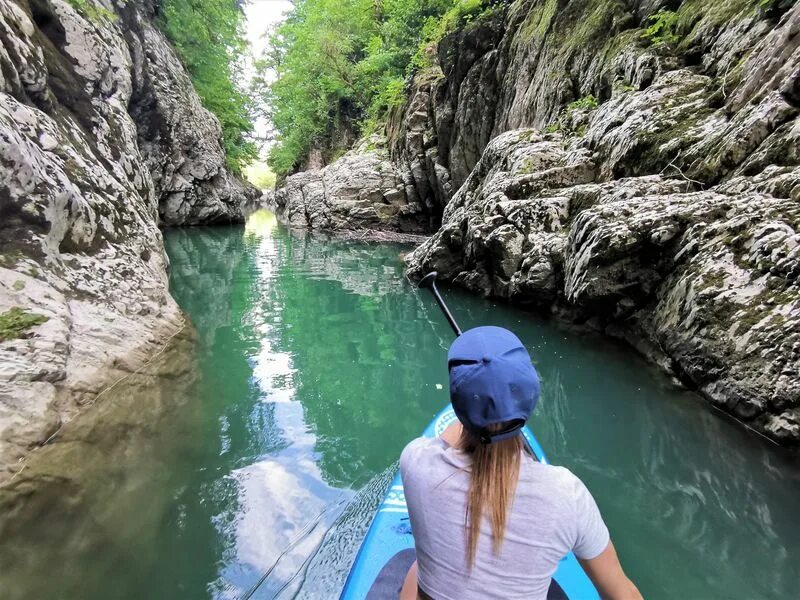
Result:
[556,477]
[418,450]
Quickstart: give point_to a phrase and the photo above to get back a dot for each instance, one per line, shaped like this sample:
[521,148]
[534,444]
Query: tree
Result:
[208,36]
[335,60]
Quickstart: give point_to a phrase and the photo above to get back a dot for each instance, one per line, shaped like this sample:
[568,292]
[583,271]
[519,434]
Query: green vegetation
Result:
[675,29]
[538,20]
[590,23]
[91,11]
[15,321]
[586,103]
[663,28]
[565,122]
[461,13]
[345,62]
[209,38]
[260,175]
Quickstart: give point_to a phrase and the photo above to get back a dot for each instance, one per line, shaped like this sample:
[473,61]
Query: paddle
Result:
[429,282]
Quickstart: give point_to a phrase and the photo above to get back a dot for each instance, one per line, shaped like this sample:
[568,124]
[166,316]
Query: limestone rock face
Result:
[180,141]
[607,228]
[645,183]
[362,189]
[100,133]
[664,210]
[528,63]
[415,148]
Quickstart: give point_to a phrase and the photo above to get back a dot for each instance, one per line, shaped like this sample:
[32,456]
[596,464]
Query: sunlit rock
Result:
[102,137]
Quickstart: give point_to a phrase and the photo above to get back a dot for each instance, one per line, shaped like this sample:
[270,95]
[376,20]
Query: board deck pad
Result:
[391,577]
[393,574]
[388,548]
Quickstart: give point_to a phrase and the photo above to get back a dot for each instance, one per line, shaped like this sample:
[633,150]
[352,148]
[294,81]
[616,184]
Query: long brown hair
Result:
[493,484]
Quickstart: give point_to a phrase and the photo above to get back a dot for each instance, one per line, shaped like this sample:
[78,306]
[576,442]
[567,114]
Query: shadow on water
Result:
[219,472]
[81,518]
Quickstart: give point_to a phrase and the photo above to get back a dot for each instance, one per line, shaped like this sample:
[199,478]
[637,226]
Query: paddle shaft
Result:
[429,281]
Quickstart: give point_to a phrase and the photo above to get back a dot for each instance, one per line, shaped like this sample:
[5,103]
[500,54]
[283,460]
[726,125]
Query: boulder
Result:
[362,189]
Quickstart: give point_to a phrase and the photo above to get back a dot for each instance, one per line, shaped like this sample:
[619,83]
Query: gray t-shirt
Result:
[553,513]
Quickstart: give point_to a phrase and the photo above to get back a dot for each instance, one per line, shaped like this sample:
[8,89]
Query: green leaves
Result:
[208,36]
[15,321]
[662,28]
[314,55]
[260,175]
[346,60]
[586,103]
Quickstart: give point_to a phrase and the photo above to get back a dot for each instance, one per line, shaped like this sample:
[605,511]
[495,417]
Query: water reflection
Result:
[290,302]
[376,383]
[683,488]
[315,363]
[278,485]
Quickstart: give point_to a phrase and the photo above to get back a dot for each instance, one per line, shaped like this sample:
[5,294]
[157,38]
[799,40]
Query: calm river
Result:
[248,461]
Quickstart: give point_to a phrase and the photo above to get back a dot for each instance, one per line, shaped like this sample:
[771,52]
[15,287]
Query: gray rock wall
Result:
[644,183]
[668,215]
[179,140]
[523,63]
[363,189]
[102,137]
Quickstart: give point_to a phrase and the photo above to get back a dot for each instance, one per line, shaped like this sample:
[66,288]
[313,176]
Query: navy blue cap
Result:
[492,381]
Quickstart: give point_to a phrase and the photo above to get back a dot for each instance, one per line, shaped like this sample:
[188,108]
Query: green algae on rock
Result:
[15,322]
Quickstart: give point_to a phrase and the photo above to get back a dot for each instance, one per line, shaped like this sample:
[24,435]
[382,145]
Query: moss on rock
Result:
[15,321]
[538,20]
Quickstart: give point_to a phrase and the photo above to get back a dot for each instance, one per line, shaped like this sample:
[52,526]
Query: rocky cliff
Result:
[102,138]
[631,165]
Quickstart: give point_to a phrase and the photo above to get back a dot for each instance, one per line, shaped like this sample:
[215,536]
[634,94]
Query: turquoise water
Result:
[250,466]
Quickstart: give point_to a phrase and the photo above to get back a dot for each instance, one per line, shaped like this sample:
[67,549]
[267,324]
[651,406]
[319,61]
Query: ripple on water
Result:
[314,363]
[330,565]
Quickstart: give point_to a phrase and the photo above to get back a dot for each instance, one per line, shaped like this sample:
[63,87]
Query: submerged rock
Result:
[102,137]
[120,446]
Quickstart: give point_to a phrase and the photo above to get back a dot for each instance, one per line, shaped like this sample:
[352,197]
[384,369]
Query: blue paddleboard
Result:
[388,549]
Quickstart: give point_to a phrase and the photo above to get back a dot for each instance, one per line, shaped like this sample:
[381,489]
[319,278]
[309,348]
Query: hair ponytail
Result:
[493,484]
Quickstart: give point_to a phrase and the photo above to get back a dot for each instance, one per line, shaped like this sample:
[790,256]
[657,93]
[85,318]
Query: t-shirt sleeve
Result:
[410,455]
[592,534]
